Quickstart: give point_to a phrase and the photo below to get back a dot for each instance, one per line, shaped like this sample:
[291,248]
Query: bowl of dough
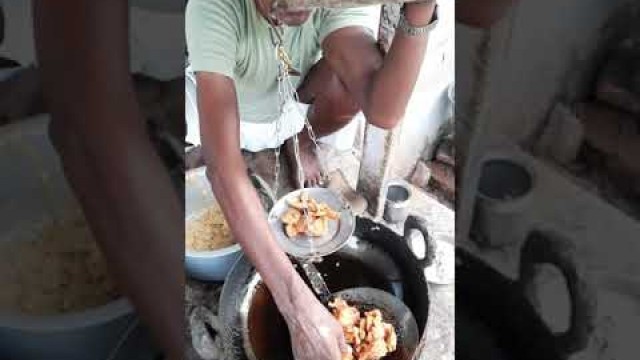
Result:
[58,300]
[210,250]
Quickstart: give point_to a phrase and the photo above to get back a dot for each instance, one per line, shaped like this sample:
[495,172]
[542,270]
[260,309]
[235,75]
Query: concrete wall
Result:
[157,56]
[429,106]
[544,50]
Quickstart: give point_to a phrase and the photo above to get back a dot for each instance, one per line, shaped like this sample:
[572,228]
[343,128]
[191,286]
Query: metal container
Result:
[205,265]
[396,206]
[504,193]
[214,265]
[34,191]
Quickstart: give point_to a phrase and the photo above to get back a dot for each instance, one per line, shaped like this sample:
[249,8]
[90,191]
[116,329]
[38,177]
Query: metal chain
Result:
[287,93]
[309,128]
[276,40]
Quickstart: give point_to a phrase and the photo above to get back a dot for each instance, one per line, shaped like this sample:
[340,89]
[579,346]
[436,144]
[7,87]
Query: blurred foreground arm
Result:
[99,132]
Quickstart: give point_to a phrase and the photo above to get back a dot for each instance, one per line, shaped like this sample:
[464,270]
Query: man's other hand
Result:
[315,334]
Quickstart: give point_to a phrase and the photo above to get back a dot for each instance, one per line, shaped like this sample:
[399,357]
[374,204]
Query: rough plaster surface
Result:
[518,81]
[530,79]
[600,234]
[374,165]
[559,203]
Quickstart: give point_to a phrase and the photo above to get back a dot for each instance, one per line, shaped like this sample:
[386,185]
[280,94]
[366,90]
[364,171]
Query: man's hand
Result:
[315,334]
[381,86]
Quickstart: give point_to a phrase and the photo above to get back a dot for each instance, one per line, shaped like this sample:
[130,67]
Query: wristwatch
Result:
[409,30]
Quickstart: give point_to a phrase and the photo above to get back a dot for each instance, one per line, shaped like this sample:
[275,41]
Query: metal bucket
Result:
[396,207]
[504,193]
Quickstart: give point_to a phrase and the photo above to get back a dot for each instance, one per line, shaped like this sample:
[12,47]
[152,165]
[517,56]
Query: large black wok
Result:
[374,257]
[494,319]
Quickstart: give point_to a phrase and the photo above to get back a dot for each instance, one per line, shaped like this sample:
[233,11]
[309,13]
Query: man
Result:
[231,53]
[125,192]
[98,129]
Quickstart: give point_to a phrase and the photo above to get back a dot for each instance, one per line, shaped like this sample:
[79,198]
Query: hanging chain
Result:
[283,68]
[288,95]
[279,120]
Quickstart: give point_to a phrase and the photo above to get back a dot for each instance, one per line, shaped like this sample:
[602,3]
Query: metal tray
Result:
[304,246]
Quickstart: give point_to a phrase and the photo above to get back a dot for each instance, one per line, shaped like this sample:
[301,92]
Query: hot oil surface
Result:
[342,271]
[268,333]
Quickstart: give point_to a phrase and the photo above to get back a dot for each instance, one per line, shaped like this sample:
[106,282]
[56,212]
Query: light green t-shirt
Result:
[232,38]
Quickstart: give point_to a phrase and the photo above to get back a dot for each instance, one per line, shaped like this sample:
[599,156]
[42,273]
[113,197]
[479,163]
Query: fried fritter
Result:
[307,216]
[368,336]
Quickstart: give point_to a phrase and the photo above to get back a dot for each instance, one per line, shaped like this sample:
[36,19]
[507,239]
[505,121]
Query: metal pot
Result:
[374,257]
[494,318]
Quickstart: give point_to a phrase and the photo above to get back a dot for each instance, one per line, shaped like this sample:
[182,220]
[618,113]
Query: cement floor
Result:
[439,342]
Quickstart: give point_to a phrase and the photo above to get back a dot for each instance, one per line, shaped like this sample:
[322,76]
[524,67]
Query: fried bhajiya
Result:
[368,336]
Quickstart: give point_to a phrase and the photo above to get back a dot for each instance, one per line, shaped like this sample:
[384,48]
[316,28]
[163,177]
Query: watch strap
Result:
[410,30]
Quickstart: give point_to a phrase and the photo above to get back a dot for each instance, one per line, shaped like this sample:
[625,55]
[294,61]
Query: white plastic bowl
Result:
[33,190]
[205,265]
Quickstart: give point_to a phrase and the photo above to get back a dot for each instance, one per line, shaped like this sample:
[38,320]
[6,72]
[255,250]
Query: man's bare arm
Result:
[97,127]
[315,334]
[227,172]
[381,86]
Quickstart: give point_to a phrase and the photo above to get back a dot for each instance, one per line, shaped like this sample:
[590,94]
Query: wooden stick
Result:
[337,3]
